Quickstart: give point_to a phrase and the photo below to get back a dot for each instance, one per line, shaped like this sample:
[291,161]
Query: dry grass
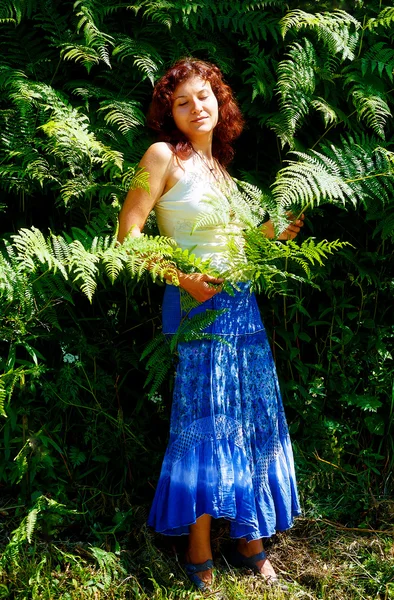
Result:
[316,560]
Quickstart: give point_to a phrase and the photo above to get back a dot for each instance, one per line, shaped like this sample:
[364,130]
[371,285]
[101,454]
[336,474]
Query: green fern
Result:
[3,396]
[296,85]
[338,30]
[259,76]
[77,457]
[352,172]
[330,114]
[384,19]
[32,247]
[109,563]
[243,203]
[31,522]
[311,181]
[126,116]
[13,11]
[86,55]
[369,98]
[270,264]
[87,13]
[379,57]
[44,510]
[143,55]
[162,350]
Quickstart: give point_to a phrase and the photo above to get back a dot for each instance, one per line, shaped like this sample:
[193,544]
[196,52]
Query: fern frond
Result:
[77,457]
[270,264]
[338,30]
[379,57]
[95,38]
[357,169]
[134,179]
[3,396]
[32,245]
[86,55]
[13,11]
[295,87]
[369,98]
[239,203]
[384,19]
[126,116]
[311,181]
[260,73]
[31,522]
[161,350]
[83,267]
[329,113]
[143,54]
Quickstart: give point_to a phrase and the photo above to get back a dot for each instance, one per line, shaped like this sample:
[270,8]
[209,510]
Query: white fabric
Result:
[180,210]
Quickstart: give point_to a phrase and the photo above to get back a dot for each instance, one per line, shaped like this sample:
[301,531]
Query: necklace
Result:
[213,170]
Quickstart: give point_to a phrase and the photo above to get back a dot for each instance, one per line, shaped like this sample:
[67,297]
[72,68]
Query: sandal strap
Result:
[239,559]
[256,557]
[190,568]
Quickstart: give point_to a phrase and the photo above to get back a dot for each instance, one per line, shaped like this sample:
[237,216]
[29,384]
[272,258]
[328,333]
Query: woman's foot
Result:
[262,565]
[199,549]
[196,559]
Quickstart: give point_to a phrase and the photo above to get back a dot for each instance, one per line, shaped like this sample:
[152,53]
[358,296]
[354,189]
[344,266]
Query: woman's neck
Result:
[203,147]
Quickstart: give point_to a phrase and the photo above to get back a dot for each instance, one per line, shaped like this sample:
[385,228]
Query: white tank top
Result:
[197,215]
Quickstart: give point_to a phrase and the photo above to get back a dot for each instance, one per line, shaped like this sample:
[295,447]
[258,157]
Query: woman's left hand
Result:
[291,231]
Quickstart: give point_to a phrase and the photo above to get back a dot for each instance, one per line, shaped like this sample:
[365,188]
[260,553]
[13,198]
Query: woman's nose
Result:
[197,107]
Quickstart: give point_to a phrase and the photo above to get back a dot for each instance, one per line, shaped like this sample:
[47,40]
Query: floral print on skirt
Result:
[229,453]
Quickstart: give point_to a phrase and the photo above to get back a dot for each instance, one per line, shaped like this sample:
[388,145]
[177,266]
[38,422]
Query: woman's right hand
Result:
[202,287]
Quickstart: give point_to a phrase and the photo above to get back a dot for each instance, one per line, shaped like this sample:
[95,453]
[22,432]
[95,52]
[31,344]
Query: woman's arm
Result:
[158,161]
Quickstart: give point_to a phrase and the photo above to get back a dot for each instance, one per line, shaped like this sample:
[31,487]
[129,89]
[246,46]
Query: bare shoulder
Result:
[159,153]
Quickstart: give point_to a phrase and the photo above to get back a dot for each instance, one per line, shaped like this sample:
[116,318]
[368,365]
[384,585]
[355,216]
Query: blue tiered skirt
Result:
[229,453]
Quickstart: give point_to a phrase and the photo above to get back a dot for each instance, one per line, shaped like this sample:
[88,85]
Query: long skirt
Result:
[229,453]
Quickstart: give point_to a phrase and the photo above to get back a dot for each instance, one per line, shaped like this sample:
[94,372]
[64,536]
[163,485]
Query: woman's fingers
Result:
[202,287]
[293,229]
[212,279]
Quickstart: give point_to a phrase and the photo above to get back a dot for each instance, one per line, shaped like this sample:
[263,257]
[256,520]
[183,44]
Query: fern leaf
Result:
[31,522]
[334,29]
[93,35]
[379,57]
[384,19]
[126,116]
[86,55]
[296,84]
[3,396]
[311,181]
[369,98]
[77,457]
[330,115]
[83,266]
[143,54]
[31,245]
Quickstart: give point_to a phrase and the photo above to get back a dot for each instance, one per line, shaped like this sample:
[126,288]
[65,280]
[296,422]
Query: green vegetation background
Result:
[81,441]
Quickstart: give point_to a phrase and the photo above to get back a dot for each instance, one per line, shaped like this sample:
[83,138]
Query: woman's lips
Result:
[199,119]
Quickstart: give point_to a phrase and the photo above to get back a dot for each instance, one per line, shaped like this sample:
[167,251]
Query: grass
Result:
[315,559]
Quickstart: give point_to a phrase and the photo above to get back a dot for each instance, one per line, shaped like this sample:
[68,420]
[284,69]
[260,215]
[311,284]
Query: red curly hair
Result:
[230,123]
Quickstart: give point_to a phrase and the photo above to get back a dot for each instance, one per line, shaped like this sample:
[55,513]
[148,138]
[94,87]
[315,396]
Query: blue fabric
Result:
[229,453]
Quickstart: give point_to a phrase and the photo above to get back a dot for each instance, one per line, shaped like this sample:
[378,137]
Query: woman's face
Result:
[195,108]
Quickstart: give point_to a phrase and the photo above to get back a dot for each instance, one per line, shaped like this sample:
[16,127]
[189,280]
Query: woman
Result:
[229,453]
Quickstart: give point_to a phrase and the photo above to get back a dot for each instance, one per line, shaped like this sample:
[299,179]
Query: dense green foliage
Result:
[315,82]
